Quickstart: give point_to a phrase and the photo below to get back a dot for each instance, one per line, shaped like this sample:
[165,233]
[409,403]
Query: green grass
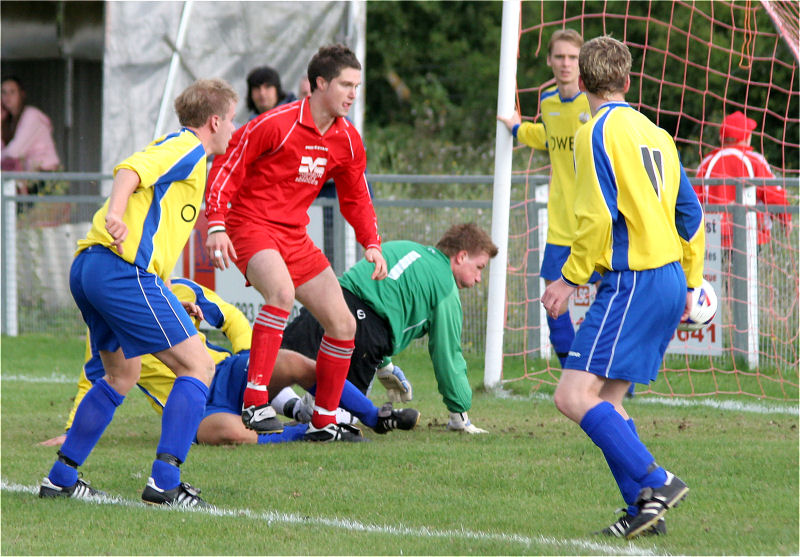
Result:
[534,485]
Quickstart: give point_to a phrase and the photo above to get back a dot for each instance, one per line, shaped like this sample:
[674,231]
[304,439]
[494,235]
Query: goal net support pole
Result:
[507,83]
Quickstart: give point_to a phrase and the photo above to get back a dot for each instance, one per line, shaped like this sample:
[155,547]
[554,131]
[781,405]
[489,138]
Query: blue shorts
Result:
[227,388]
[227,392]
[553,260]
[153,382]
[125,306]
[629,324]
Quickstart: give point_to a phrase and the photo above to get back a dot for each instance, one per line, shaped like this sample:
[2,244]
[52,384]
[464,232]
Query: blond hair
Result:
[568,35]
[203,99]
[604,64]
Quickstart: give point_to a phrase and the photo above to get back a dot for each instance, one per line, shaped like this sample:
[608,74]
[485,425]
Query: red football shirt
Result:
[276,164]
[741,162]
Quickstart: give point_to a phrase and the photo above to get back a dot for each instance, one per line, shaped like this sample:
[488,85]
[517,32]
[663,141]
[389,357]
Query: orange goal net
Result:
[693,64]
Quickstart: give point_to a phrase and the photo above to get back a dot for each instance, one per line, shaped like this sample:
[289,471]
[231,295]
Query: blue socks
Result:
[627,487]
[91,419]
[290,433]
[562,333]
[630,489]
[632,425]
[182,414]
[357,403]
[628,458]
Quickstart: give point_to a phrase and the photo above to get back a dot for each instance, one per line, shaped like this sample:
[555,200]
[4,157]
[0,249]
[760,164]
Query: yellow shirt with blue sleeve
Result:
[161,212]
[635,207]
[561,117]
[156,378]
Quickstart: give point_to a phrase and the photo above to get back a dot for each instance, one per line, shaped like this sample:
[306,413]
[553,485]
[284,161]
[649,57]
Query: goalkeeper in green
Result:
[419,297]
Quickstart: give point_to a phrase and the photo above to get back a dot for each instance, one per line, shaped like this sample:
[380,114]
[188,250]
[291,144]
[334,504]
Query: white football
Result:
[704,307]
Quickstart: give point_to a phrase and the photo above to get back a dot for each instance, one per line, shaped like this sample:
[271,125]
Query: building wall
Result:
[56,50]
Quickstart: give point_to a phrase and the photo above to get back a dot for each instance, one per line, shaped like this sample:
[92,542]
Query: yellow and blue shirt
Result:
[161,212]
[560,119]
[156,379]
[635,207]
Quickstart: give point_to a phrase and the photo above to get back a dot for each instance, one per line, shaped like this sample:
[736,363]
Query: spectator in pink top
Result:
[27,132]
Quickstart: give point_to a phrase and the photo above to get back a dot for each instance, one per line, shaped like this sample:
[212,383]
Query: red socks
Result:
[333,363]
[267,337]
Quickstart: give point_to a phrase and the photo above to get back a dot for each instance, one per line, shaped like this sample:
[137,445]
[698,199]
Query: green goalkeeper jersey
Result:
[419,297]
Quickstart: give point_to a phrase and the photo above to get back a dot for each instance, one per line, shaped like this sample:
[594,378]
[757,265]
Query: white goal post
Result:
[507,86]
[744,323]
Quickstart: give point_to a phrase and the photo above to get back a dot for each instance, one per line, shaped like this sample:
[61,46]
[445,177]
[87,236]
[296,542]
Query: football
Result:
[704,307]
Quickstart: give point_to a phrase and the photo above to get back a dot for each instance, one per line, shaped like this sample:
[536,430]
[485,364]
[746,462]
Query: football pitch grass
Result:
[534,485]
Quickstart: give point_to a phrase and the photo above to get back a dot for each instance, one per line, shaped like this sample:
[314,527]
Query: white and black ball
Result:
[704,308]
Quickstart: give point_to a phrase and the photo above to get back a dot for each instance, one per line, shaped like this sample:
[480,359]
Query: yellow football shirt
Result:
[635,207]
[561,118]
[162,210]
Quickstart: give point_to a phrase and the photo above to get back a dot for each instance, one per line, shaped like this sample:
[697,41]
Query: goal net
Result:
[693,63]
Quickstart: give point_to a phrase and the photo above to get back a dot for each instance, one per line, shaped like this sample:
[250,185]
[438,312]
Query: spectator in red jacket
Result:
[737,158]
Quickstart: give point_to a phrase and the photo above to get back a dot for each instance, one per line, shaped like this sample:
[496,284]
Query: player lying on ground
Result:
[419,297]
[221,423]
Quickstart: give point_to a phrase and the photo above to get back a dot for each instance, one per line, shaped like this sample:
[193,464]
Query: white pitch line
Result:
[732,405]
[346,524]
[54,378]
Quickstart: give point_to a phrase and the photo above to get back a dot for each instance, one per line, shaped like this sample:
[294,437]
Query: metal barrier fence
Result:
[39,235]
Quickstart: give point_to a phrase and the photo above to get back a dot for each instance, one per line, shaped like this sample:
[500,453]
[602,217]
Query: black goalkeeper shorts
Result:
[373,339]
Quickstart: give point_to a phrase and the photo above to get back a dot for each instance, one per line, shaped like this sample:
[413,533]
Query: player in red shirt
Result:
[737,159]
[271,173]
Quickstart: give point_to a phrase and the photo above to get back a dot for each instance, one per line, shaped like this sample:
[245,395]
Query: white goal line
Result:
[729,405]
[350,525]
[54,378]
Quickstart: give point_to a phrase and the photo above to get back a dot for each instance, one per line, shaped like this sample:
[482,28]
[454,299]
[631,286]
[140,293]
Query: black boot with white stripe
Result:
[617,530]
[389,419]
[333,432]
[261,419]
[79,490]
[182,496]
[653,503]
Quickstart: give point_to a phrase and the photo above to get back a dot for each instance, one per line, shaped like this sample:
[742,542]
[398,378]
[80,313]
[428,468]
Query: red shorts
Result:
[301,255]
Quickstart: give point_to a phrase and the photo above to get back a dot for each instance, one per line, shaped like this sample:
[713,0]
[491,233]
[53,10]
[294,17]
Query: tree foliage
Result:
[431,88]
[432,70]
[445,53]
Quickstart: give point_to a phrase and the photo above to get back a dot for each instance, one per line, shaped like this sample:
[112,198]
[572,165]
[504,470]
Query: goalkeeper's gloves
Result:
[398,388]
[459,421]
